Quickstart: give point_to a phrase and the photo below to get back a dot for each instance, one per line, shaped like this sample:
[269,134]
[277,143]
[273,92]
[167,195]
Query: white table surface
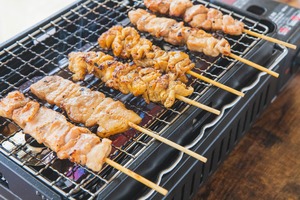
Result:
[18,15]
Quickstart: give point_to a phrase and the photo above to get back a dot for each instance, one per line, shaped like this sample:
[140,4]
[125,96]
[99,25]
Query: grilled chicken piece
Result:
[198,16]
[79,66]
[177,34]
[126,79]
[212,46]
[178,7]
[158,27]
[53,130]
[161,6]
[130,78]
[142,49]
[171,7]
[192,11]
[83,105]
[199,21]
[110,37]
[232,26]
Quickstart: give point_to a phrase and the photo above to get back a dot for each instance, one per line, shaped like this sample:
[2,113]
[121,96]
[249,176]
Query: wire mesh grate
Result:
[44,52]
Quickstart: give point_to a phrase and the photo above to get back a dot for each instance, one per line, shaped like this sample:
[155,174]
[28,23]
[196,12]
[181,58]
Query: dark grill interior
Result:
[43,51]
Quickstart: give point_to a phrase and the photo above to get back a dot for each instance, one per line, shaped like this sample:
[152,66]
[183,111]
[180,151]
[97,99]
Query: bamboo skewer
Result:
[197,104]
[215,83]
[136,177]
[270,39]
[254,65]
[168,142]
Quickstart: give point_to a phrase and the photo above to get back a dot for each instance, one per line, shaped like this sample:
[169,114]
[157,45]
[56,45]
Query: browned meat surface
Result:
[172,7]
[198,16]
[192,11]
[52,129]
[83,105]
[178,7]
[25,113]
[178,34]
[144,53]
[13,101]
[110,112]
[78,151]
[213,46]
[94,159]
[161,6]
[128,78]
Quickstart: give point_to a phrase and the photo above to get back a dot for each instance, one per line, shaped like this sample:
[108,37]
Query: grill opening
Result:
[44,52]
[220,151]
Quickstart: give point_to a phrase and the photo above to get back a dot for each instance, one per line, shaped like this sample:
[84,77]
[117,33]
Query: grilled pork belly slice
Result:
[26,113]
[41,123]
[75,149]
[81,104]
[11,102]
[111,116]
[54,137]
[94,158]
[50,89]
[52,129]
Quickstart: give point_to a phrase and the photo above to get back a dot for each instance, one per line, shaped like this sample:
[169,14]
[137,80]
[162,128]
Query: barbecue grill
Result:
[43,51]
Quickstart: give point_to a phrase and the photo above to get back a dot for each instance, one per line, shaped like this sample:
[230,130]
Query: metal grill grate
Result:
[44,52]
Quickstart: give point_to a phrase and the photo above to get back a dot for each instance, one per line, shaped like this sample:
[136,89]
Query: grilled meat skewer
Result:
[210,19]
[197,16]
[102,113]
[196,40]
[176,33]
[52,129]
[83,105]
[127,43]
[128,78]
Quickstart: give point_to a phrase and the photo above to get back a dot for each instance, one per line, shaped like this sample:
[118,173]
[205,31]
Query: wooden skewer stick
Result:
[197,104]
[136,177]
[252,64]
[270,39]
[215,83]
[168,142]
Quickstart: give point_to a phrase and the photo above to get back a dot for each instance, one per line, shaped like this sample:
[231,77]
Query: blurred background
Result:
[19,15]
